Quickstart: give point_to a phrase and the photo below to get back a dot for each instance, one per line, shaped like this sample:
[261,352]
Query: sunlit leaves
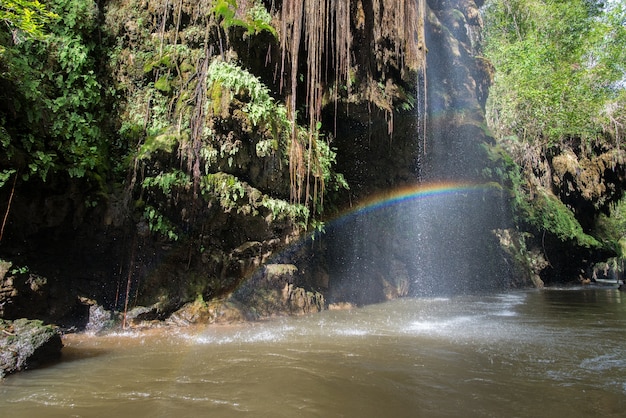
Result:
[261,108]
[26,16]
[51,115]
[558,65]
[256,18]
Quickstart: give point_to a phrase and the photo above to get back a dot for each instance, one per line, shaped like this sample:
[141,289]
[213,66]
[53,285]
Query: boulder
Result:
[27,344]
[212,312]
[277,289]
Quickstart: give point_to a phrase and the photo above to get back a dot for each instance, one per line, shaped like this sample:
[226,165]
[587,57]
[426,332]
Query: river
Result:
[527,353]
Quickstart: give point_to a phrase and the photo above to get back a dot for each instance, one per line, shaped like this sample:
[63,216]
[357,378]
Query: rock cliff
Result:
[239,138]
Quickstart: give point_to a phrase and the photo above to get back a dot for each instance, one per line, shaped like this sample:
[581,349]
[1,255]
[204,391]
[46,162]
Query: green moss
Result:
[161,62]
[165,141]
[163,84]
[547,212]
[216,93]
[533,205]
[611,228]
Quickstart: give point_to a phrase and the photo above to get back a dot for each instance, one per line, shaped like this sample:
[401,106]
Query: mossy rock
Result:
[26,344]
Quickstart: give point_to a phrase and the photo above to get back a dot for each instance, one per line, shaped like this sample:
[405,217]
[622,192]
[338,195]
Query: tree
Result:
[557,110]
[559,69]
[25,18]
[50,97]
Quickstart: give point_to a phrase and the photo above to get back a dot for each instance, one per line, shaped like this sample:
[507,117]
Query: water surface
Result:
[559,352]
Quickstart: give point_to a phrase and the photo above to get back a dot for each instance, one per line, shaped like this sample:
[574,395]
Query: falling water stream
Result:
[532,353]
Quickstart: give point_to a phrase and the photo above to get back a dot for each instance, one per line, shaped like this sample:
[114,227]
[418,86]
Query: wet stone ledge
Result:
[27,344]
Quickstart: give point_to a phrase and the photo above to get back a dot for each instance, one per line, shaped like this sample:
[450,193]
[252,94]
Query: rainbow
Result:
[389,199]
[410,193]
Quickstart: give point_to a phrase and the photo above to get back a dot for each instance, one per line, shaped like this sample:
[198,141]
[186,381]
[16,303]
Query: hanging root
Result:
[6,213]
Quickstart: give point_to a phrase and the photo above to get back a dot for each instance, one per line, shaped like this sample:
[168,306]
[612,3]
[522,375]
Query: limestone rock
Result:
[276,290]
[213,312]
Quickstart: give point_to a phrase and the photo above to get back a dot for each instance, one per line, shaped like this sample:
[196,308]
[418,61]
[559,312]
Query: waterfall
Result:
[435,235]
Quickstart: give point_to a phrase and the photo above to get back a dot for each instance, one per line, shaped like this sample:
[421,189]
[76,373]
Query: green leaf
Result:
[163,84]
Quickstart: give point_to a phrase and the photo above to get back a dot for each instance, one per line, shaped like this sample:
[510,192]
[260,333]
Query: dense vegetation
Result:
[53,103]
[561,69]
[86,97]
[191,135]
[557,109]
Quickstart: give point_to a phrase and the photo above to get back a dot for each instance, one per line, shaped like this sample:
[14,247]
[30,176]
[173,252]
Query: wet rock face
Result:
[26,344]
[588,184]
[458,83]
[99,319]
[213,312]
[369,260]
[28,295]
[278,289]
[21,293]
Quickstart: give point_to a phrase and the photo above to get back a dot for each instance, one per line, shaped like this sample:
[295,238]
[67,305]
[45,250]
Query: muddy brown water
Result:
[539,353]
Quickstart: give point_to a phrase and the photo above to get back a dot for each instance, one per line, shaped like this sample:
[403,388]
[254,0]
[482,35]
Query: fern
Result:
[166,181]
[234,194]
[160,224]
[261,107]
[281,209]
[256,20]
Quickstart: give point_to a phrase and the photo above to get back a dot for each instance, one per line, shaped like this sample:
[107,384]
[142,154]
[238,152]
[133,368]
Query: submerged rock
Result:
[26,344]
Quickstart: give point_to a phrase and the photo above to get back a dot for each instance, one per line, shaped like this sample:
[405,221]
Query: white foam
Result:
[429,325]
[603,362]
[352,332]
